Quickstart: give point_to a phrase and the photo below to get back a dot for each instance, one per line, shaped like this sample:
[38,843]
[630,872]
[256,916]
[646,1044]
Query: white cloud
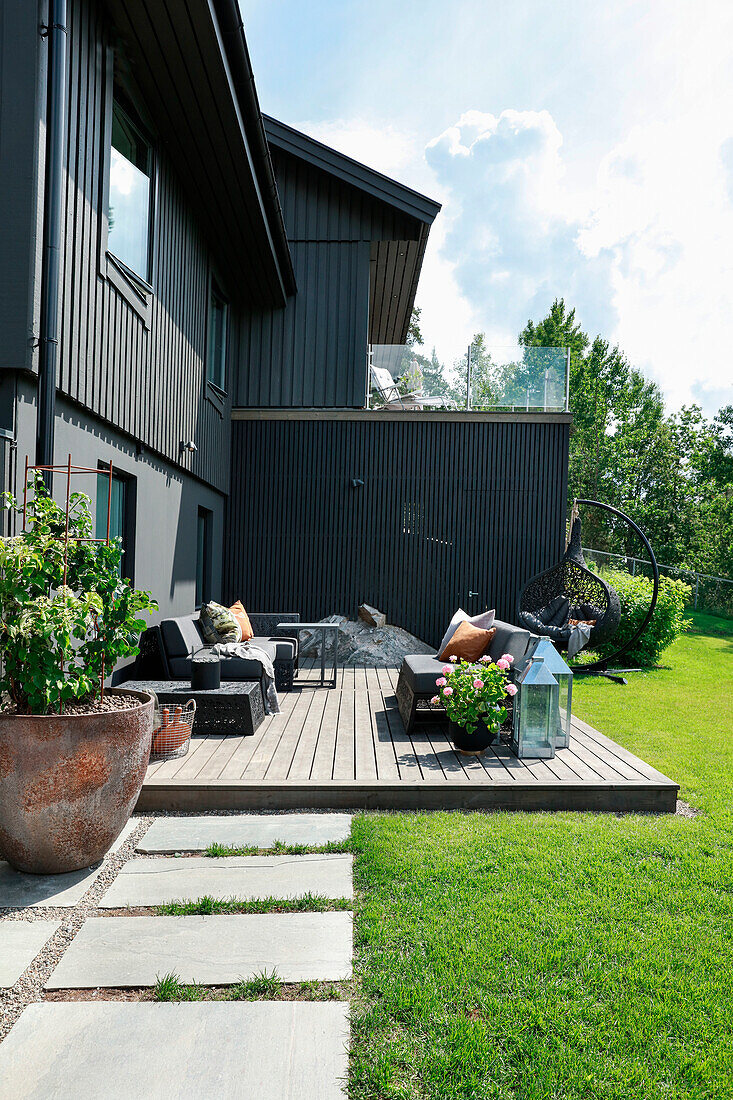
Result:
[646,256]
[514,222]
[387,149]
[645,252]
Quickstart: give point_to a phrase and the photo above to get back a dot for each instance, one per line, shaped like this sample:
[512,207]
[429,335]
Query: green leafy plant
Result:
[666,625]
[473,693]
[62,628]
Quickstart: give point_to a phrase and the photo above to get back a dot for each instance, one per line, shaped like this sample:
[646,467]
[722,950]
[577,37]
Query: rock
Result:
[310,640]
[371,616]
[367,646]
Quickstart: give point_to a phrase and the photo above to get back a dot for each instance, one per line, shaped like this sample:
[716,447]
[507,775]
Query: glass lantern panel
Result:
[538,718]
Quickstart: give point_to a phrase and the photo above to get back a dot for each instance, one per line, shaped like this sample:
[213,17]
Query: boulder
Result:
[371,616]
[366,646]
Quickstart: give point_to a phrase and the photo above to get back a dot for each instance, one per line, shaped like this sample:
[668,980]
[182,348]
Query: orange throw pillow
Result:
[468,643]
[243,619]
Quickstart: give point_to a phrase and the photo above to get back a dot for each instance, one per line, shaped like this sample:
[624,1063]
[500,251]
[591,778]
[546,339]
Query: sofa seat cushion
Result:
[181,635]
[420,671]
[233,667]
[285,648]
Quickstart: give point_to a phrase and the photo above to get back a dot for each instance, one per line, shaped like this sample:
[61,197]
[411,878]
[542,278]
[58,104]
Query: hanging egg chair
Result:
[570,590]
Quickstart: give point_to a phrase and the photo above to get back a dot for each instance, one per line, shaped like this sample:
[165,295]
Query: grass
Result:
[569,955]
[279,849]
[311,903]
[261,987]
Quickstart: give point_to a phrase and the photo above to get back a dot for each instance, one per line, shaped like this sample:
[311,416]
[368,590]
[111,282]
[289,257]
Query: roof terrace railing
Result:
[483,378]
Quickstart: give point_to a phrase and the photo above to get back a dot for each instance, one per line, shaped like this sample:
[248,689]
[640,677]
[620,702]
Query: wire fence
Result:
[708,593]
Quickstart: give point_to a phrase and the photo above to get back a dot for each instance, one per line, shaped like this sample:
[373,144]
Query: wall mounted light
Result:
[356,483]
[190,446]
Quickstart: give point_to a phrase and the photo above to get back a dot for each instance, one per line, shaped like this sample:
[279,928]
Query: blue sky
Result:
[580,149]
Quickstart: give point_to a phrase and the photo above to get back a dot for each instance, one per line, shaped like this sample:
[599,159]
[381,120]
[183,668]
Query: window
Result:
[216,350]
[122,505]
[128,202]
[203,557]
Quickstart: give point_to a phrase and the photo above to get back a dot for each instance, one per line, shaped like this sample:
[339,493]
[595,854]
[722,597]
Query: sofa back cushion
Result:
[508,639]
[180,636]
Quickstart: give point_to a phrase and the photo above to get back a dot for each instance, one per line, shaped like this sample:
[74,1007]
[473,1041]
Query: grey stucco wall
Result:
[167,499]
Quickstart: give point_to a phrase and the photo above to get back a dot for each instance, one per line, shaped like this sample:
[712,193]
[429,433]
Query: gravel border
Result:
[29,988]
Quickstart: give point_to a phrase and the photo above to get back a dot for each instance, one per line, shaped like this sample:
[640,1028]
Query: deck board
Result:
[346,748]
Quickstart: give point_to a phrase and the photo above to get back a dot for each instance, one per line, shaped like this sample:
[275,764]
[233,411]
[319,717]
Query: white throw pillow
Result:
[484,621]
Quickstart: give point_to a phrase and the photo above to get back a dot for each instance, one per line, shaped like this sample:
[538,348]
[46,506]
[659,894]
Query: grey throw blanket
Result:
[578,639]
[249,652]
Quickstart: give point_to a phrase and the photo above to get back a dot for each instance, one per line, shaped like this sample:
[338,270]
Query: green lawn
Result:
[562,955]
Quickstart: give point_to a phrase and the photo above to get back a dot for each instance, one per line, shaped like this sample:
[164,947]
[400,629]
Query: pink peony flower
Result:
[511,689]
[448,691]
[446,669]
[478,684]
[502,663]
[507,657]
[434,701]
[441,682]
[486,660]
[453,658]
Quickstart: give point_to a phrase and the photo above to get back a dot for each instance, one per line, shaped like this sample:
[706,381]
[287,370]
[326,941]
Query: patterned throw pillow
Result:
[218,624]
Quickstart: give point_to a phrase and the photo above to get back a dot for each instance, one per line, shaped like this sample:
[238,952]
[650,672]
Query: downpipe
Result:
[55,34]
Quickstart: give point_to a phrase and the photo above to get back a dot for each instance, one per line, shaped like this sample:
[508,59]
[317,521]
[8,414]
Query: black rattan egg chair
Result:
[571,588]
[571,578]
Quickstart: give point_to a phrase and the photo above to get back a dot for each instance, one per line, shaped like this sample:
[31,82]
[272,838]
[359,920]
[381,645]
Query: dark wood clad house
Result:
[220,277]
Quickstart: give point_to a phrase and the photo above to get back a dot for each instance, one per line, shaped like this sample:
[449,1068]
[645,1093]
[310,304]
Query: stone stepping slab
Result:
[116,952]
[195,834]
[157,880]
[20,942]
[276,1050]
[18,890]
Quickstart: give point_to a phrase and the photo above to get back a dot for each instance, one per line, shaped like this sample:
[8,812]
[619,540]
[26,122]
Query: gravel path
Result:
[29,988]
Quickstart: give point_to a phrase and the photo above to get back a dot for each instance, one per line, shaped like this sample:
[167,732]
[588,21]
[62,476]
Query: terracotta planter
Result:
[471,743]
[68,784]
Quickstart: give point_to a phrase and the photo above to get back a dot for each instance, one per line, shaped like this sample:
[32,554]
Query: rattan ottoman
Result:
[234,708]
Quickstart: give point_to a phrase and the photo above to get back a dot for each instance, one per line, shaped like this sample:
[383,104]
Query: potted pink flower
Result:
[473,695]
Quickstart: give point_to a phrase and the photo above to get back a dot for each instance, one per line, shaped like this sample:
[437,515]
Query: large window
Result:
[203,556]
[216,350]
[128,205]
[121,516]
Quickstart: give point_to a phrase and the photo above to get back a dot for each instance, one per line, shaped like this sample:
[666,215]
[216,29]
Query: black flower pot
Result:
[474,742]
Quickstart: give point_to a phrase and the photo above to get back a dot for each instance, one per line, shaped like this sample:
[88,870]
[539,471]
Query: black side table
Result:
[295,628]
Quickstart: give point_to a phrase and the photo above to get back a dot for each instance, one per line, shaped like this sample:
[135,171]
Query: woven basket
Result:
[172,730]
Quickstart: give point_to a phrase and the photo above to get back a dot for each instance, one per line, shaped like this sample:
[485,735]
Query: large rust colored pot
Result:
[68,783]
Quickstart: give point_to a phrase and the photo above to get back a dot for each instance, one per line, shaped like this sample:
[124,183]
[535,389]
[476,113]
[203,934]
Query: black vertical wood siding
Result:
[313,352]
[150,381]
[447,508]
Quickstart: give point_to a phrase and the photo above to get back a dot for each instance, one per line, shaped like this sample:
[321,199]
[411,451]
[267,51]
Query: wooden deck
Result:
[346,748]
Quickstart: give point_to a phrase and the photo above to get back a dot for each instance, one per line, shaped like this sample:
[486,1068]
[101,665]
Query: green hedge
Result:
[667,622]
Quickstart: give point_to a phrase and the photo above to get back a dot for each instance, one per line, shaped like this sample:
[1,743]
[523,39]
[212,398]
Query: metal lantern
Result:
[564,675]
[536,708]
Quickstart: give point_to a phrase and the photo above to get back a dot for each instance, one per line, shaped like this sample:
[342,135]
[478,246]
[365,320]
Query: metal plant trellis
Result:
[70,469]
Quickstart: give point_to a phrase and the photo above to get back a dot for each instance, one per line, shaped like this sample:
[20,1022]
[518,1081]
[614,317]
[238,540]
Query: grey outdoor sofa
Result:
[416,681]
[165,650]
